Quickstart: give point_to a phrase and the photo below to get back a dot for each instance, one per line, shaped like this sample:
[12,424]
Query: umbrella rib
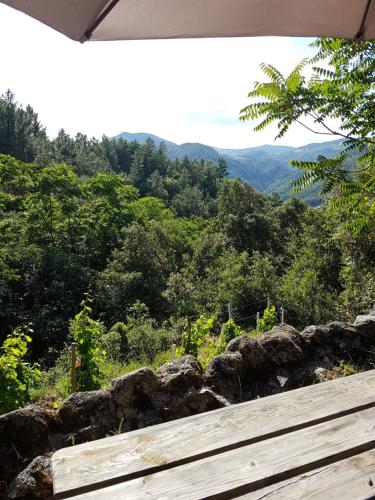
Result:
[361,28]
[99,20]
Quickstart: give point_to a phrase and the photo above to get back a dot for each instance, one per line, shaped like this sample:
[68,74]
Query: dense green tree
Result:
[124,222]
[137,271]
[341,88]
[19,128]
[244,216]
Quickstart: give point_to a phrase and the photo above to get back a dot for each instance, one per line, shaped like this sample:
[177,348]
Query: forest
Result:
[112,244]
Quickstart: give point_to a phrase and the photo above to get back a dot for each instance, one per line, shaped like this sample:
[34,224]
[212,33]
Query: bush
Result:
[16,376]
[193,339]
[87,332]
[119,332]
[54,384]
[111,344]
[145,341]
[231,331]
[269,319]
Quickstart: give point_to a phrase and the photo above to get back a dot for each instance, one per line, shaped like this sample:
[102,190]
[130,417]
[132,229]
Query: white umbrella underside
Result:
[84,20]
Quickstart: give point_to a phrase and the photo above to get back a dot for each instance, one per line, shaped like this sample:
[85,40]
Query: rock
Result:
[132,395]
[26,428]
[252,352]
[332,342]
[24,434]
[35,481]
[282,347]
[226,375]
[289,330]
[197,402]
[181,375]
[85,409]
[365,326]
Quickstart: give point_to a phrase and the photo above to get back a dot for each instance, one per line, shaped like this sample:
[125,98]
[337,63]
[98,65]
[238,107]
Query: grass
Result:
[55,384]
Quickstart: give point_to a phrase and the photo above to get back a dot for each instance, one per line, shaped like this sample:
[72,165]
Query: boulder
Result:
[365,326]
[197,402]
[282,347]
[332,342]
[35,481]
[83,410]
[252,352]
[24,433]
[132,396]
[226,375]
[181,375]
[27,429]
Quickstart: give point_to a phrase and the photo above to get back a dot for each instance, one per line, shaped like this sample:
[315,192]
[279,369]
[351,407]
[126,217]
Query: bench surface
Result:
[317,442]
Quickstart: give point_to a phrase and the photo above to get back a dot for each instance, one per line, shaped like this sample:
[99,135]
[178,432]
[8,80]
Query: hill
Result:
[264,167]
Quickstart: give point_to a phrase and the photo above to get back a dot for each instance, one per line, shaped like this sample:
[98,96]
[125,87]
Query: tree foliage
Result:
[16,375]
[339,90]
[160,244]
[87,332]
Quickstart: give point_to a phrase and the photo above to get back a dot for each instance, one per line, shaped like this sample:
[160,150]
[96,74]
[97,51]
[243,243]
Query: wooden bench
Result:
[315,442]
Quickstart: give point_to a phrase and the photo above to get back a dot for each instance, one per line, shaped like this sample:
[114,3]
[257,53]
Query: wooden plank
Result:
[141,452]
[240,471]
[350,479]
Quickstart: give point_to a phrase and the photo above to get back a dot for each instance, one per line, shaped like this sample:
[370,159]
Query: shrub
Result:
[193,339]
[111,343]
[145,341]
[229,332]
[120,331]
[87,332]
[16,376]
[269,319]
[54,384]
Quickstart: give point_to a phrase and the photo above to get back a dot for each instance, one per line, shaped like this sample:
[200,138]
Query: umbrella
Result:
[84,20]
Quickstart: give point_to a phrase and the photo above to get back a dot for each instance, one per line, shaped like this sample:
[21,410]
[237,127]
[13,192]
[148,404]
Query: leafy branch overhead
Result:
[340,91]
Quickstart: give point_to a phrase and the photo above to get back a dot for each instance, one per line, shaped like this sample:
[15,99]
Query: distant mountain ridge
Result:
[264,167]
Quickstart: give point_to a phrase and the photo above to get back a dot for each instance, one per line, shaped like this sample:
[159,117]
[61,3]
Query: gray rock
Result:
[24,434]
[85,409]
[332,342]
[226,375]
[181,375]
[282,346]
[252,352]
[35,481]
[365,326]
[132,395]
[27,428]
[197,402]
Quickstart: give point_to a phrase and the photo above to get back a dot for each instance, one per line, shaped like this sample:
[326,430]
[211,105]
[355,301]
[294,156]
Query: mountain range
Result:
[264,167]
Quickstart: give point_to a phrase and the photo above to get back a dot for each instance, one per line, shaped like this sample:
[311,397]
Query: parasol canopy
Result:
[84,20]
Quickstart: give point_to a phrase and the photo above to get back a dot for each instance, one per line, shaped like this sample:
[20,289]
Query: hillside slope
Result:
[264,167]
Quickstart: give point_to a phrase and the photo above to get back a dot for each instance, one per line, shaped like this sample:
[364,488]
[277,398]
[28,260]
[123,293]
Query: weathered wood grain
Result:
[240,471]
[349,479]
[138,453]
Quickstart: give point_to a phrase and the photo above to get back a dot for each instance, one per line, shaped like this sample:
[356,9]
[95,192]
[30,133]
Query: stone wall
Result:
[281,359]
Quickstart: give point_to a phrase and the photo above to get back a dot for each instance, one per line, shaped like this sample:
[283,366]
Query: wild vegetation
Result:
[113,245]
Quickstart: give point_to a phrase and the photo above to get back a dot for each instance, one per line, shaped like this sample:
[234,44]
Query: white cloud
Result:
[183,90]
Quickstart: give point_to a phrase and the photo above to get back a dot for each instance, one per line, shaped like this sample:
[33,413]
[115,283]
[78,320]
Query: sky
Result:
[181,90]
